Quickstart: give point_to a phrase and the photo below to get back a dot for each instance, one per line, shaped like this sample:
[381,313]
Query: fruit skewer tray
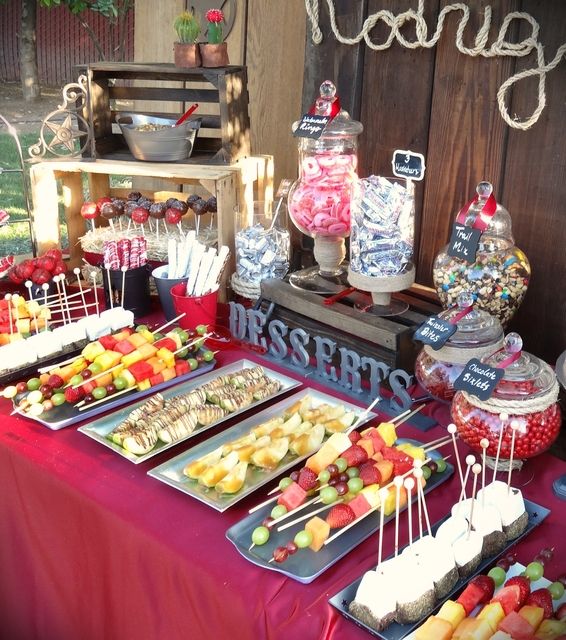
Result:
[306,565]
[171,472]
[100,429]
[396,631]
[66,414]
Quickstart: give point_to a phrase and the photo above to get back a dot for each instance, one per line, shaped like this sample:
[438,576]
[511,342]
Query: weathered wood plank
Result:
[73,199]
[163,93]
[535,190]
[467,136]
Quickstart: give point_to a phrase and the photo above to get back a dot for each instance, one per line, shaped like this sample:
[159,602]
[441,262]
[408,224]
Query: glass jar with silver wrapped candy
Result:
[262,244]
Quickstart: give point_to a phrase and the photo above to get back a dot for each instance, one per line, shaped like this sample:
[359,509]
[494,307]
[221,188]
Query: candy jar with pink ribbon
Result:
[319,201]
[499,273]
[522,417]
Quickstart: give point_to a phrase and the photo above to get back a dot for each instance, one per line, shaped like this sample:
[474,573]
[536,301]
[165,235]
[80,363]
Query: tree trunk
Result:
[28,55]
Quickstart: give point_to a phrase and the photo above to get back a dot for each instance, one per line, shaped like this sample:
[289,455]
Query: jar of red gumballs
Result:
[477,335]
[525,400]
[319,201]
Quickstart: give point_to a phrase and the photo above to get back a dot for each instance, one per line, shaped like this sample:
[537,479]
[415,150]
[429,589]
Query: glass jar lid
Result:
[475,329]
[525,377]
[342,125]
[500,223]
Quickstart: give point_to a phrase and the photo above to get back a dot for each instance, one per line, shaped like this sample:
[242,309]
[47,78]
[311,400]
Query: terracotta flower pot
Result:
[187,55]
[214,55]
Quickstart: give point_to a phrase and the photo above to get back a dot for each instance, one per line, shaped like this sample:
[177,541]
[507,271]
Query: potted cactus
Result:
[215,52]
[187,53]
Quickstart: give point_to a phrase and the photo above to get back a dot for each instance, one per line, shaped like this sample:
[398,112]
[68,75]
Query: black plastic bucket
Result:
[136,284]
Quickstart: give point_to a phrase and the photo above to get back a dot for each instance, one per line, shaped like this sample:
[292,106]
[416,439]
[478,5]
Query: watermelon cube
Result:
[377,440]
[173,335]
[471,597]
[292,497]
[88,387]
[452,612]
[320,530]
[493,614]
[434,628]
[400,467]
[165,343]
[359,505]
[124,347]
[156,379]
[472,629]
[141,370]
[181,367]
[516,626]
[509,597]
[108,342]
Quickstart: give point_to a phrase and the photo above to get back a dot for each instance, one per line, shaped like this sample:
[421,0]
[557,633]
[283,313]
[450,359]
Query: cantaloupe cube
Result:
[320,531]
[367,445]
[322,458]
[4,339]
[452,612]
[104,380]
[137,340]
[434,629]
[550,629]
[169,373]
[533,615]
[388,433]
[157,365]
[493,614]
[472,629]
[385,468]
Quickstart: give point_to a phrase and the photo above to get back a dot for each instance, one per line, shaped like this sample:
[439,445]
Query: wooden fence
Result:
[61,42]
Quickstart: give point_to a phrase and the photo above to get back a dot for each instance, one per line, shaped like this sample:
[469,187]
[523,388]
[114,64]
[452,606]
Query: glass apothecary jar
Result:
[525,398]
[499,275]
[319,201]
[477,335]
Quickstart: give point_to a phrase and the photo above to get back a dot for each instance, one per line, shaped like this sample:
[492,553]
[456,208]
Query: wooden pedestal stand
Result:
[382,288]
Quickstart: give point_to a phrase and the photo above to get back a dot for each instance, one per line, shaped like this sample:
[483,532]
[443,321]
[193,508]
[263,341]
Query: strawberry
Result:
[307,479]
[354,436]
[524,585]
[542,598]
[55,381]
[369,474]
[73,395]
[486,584]
[355,455]
[339,516]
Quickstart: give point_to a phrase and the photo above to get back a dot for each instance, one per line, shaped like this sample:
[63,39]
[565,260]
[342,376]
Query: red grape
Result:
[562,579]
[89,398]
[46,391]
[432,466]
[110,388]
[332,470]
[503,563]
[333,482]
[294,475]
[268,522]
[341,488]
[86,374]
[547,553]
[280,554]
[561,612]
[21,387]
[291,548]
[343,477]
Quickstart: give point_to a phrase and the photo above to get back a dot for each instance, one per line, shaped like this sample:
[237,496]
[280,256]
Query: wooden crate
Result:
[239,183]
[224,137]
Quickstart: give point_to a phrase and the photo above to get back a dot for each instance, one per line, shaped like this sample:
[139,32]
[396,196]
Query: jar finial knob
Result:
[513,343]
[327,90]
[484,189]
[465,299]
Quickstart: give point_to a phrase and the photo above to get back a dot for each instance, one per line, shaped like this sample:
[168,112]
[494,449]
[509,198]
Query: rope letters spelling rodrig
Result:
[499,48]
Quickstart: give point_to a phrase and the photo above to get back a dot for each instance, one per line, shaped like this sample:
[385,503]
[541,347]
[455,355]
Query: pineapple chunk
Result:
[493,614]
[452,612]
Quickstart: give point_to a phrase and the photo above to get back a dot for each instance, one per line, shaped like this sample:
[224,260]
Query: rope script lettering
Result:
[499,48]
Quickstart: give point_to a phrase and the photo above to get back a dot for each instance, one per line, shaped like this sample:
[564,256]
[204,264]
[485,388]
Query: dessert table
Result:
[91,547]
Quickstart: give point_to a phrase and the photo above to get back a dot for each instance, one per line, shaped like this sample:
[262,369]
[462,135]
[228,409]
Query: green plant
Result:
[187,27]
[215,18]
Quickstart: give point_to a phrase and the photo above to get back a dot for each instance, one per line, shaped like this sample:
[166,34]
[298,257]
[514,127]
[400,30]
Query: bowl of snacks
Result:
[158,139]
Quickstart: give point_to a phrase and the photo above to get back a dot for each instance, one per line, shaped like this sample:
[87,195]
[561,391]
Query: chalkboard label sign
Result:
[408,164]
[311,126]
[478,379]
[435,332]
[464,242]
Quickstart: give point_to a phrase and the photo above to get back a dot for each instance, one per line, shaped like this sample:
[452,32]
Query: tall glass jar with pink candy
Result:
[319,201]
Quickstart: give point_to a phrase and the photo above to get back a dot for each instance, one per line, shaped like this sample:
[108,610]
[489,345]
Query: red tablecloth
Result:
[93,548]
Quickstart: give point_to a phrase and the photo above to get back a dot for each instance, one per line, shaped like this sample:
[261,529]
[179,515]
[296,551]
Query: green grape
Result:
[556,590]
[260,535]
[95,367]
[193,364]
[426,472]
[201,329]
[141,327]
[158,336]
[208,356]
[355,485]
[328,495]
[99,393]
[183,353]
[284,483]
[184,335]
[342,464]
[497,574]
[58,399]
[34,384]
[440,465]
[75,380]
[353,472]
[120,383]
[534,571]
[324,476]
[303,539]
[35,396]
[278,511]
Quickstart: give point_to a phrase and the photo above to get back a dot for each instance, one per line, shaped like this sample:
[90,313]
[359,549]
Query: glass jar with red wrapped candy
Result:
[477,335]
[526,396]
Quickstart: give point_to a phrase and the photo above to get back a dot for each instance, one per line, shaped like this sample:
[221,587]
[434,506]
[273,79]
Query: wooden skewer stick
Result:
[110,292]
[124,269]
[451,428]
[470,461]
[362,416]
[8,298]
[308,515]
[433,442]
[56,280]
[476,470]
[484,444]
[409,485]
[314,500]
[398,482]
[56,303]
[93,276]
[45,287]
[425,510]
[503,417]
[81,406]
[29,285]
[163,326]
[52,367]
[408,416]
[263,504]
[77,272]
[514,428]
[418,474]
[66,298]
[382,497]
